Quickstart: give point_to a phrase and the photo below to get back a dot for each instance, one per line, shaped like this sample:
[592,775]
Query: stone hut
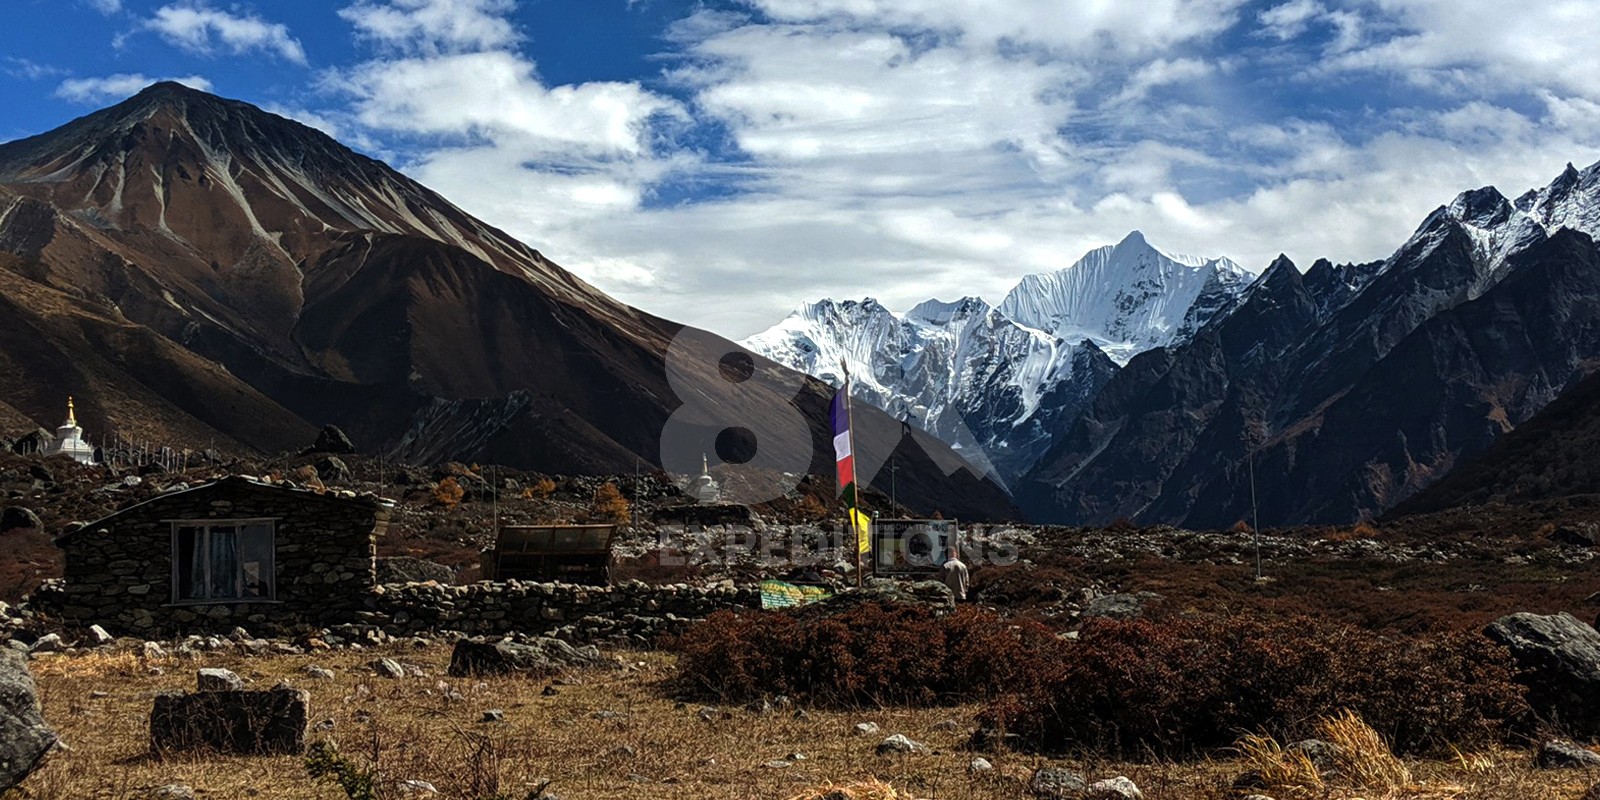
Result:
[233,552]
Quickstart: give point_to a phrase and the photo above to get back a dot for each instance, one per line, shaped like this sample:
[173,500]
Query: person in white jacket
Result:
[955,572]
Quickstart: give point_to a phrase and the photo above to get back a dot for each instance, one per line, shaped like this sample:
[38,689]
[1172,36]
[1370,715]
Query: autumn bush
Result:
[609,505]
[1179,685]
[867,655]
[448,493]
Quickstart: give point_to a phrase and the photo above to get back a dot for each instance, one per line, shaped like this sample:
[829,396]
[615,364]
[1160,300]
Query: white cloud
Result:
[496,94]
[1482,46]
[1101,25]
[1289,20]
[111,88]
[920,148]
[107,7]
[199,28]
[434,25]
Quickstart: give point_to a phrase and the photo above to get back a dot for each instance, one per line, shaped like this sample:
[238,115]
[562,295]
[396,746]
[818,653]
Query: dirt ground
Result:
[601,734]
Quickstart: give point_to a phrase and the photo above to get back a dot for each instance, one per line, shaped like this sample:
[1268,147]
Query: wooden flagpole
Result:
[850,518]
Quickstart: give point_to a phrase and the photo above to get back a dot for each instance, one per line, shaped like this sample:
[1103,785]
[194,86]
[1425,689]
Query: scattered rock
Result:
[1118,788]
[153,651]
[417,787]
[388,668]
[99,636]
[898,744]
[249,723]
[1566,755]
[778,764]
[866,728]
[540,658]
[48,643]
[18,518]
[980,765]
[172,791]
[1119,606]
[1560,661]
[318,673]
[24,738]
[217,679]
[494,715]
[1056,784]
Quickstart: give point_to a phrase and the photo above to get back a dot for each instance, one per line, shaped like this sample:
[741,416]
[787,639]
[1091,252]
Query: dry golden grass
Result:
[1363,758]
[654,747]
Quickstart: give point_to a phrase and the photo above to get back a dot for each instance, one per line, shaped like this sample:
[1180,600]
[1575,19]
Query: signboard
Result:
[777,594]
[915,547]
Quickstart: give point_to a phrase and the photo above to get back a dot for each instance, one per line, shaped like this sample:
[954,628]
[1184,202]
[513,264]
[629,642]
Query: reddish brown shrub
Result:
[867,655]
[1175,686]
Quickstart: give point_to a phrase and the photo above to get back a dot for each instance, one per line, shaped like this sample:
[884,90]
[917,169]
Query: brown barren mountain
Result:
[195,269]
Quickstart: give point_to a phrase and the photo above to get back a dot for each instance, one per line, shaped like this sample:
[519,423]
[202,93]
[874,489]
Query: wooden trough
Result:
[545,553]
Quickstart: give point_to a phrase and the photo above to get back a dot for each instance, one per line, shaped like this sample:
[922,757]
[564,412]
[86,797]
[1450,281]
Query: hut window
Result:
[215,562]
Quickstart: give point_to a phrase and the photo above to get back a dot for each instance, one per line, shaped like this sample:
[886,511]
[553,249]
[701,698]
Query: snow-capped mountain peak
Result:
[1126,297]
[1010,376]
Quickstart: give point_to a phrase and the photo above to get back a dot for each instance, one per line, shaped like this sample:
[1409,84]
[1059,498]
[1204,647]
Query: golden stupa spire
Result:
[72,412]
[705,467]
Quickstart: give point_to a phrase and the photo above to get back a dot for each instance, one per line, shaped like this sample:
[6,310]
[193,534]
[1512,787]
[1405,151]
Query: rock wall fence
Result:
[626,612]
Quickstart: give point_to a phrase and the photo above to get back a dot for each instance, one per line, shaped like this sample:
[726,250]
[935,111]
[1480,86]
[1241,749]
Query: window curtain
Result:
[191,563]
[224,578]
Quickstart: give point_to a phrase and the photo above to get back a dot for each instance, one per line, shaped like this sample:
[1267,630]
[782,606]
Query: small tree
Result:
[609,505]
[541,489]
[448,493]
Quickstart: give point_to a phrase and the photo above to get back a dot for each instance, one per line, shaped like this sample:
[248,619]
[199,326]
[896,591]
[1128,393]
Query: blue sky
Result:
[720,162]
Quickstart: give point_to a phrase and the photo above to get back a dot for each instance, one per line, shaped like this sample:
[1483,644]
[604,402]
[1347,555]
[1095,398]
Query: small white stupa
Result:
[69,439]
[705,488]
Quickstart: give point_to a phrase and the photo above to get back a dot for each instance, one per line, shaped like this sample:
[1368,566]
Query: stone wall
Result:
[628,612]
[118,571]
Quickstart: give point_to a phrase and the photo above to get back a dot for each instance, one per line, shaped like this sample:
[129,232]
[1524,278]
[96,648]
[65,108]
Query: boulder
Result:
[1575,535]
[1050,783]
[538,658]
[332,469]
[1560,662]
[273,722]
[333,440]
[217,679]
[24,738]
[18,518]
[1566,755]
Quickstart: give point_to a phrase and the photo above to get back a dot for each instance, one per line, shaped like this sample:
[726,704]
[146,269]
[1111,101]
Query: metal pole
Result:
[1255,517]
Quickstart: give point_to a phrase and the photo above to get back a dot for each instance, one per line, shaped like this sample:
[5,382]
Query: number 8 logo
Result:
[722,386]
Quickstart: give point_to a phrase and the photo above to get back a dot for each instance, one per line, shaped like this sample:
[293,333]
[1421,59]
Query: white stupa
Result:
[69,439]
[705,488]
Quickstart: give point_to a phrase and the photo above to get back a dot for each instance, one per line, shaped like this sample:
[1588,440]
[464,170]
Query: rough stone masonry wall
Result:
[119,575]
[627,612]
